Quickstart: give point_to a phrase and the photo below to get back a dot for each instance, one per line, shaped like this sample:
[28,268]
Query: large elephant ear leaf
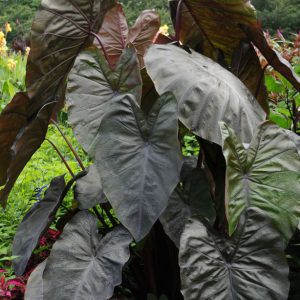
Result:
[191,200]
[88,190]
[266,175]
[34,287]
[59,32]
[26,144]
[35,223]
[92,86]
[139,183]
[250,265]
[114,33]
[83,264]
[12,119]
[206,92]
[213,25]
[142,33]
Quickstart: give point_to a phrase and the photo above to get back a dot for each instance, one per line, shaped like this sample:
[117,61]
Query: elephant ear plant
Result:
[150,222]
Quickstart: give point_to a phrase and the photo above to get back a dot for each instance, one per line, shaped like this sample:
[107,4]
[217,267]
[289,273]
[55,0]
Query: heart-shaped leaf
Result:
[206,92]
[83,264]
[143,32]
[92,86]
[61,29]
[26,144]
[266,175]
[35,223]
[213,25]
[88,190]
[116,35]
[12,119]
[34,287]
[133,154]
[250,265]
[191,199]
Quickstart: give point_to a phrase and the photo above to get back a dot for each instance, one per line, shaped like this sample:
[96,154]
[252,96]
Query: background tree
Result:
[279,14]
[19,13]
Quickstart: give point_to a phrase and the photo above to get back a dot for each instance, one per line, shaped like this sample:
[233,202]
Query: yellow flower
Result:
[27,50]
[164,29]
[11,63]
[3,47]
[7,27]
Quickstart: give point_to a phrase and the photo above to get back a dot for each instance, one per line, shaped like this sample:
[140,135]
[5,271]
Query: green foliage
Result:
[133,8]
[279,14]
[32,183]
[12,76]
[19,14]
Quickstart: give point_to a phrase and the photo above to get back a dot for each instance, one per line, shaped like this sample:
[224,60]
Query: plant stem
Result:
[109,215]
[178,21]
[101,219]
[103,49]
[61,156]
[69,145]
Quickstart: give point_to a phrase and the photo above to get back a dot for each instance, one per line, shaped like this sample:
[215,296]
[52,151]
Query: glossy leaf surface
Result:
[35,223]
[59,32]
[206,92]
[266,175]
[88,190]
[249,265]
[92,86]
[139,160]
[83,264]
[12,119]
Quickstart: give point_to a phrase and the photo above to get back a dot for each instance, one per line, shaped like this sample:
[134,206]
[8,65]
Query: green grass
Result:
[41,169]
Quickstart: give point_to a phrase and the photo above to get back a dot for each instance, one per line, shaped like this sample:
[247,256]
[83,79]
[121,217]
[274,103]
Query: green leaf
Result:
[139,160]
[249,265]
[266,175]
[83,264]
[280,120]
[35,223]
[206,92]
[92,86]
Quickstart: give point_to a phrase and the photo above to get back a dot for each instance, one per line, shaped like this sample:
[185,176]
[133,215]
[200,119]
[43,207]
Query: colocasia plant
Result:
[214,226]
